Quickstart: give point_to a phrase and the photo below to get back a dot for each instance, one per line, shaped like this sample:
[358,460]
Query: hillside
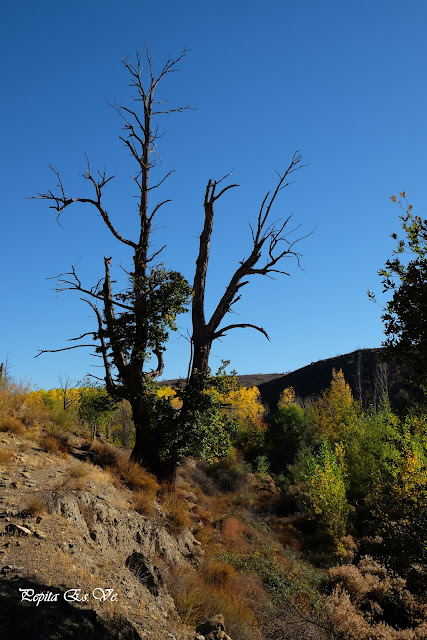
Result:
[367,376]
[71,530]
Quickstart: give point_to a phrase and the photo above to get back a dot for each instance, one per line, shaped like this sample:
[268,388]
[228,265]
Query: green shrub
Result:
[228,474]
[284,436]
[319,488]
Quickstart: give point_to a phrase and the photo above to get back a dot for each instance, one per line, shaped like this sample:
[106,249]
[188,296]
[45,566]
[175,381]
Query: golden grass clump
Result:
[142,502]
[55,443]
[12,425]
[6,456]
[136,477]
[176,508]
[130,473]
[104,455]
[34,507]
[219,573]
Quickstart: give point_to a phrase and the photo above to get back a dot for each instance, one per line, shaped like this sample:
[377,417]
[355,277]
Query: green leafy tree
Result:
[285,434]
[320,489]
[405,277]
[96,407]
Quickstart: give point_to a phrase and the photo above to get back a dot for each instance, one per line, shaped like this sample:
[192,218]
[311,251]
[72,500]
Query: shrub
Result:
[55,443]
[285,434]
[368,601]
[233,527]
[228,474]
[11,424]
[219,573]
[283,573]
[320,490]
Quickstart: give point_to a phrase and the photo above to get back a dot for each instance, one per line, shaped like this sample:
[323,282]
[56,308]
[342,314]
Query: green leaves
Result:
[405,314]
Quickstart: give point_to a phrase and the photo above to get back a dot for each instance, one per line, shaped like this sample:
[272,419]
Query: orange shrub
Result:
[233,527]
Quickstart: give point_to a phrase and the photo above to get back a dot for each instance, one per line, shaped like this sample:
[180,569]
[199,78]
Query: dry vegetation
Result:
[252,568]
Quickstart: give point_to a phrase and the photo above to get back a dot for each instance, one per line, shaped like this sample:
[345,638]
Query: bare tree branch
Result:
[244,325]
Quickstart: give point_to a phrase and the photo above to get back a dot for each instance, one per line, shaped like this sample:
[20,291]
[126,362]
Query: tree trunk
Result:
[146,448]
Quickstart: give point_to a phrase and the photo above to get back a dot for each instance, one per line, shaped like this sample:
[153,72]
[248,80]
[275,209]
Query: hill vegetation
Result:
[309,522]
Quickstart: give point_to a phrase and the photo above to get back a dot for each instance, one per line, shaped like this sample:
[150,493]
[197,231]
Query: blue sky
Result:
[344,82]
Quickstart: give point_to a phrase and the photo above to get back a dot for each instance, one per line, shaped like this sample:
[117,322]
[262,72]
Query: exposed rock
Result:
[212,629]
[39,534]
[146,572]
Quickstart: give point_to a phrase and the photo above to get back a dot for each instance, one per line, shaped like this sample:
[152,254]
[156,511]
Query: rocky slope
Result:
[66,530]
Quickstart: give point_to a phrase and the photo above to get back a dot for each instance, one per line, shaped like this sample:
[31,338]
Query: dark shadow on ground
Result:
[61,620]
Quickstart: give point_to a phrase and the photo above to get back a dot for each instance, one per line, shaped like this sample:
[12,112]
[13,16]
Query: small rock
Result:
[101,496]
[15,485]
[199,637]
[25,474]
[11,567]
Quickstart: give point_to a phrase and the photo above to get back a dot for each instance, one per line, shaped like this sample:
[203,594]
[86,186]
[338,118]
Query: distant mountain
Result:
[363,369]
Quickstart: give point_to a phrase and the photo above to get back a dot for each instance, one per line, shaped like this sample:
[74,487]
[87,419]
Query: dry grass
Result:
[142,502]
[12,425]
[35,506]
[196,600]
[176,508]
[79,475]
[219,573]
[55,443]
[126,472]
[104,454]
[233,528]
[135,477]
[6,456]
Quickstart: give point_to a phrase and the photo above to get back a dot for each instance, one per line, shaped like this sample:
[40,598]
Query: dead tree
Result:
[132,325]
[271,244]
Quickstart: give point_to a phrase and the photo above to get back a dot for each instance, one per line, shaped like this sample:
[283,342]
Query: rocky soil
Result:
[65,526]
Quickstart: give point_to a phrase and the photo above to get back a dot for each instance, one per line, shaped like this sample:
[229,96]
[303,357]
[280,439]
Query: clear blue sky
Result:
[344,82]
